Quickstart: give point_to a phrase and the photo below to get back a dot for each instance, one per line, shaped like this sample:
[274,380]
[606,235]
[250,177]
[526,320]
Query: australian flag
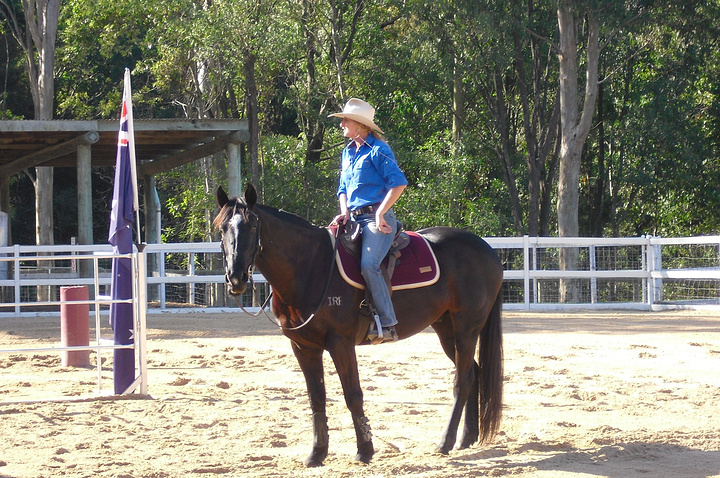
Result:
[124,207]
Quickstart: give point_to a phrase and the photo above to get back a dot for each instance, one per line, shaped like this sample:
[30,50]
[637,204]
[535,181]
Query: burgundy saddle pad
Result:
[417,265]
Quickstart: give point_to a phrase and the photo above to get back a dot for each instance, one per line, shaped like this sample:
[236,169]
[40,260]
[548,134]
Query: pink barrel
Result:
[74,326]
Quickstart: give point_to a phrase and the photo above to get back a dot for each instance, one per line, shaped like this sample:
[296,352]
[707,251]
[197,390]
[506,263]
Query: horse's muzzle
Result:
[237,286]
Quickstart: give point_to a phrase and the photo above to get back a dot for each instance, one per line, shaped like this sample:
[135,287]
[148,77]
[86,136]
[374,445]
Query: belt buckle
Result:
[369,209]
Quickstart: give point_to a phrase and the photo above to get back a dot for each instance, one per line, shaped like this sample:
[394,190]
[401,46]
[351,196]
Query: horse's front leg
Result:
[311,364]
[343,355]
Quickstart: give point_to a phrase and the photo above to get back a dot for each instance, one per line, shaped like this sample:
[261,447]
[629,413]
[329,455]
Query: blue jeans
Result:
[375,246]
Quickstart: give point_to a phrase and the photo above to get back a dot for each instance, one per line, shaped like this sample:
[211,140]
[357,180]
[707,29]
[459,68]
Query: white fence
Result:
[640,273]
[31,278]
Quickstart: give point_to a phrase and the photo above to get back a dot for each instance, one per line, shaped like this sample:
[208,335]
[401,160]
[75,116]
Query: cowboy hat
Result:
[360,111]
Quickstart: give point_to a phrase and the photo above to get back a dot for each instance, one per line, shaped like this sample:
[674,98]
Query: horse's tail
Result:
[490,378]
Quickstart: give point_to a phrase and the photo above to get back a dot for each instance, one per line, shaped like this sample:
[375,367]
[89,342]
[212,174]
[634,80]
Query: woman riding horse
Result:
[319,311]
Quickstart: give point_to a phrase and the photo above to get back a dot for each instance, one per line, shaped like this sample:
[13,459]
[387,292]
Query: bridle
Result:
[251,269]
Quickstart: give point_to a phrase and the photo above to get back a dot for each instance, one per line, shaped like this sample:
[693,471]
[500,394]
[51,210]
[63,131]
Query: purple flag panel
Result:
[121,237]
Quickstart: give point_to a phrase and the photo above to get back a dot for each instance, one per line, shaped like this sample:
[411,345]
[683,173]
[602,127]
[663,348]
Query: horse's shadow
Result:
[619,460]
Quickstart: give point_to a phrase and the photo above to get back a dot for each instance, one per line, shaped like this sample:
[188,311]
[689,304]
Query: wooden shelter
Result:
[160,145]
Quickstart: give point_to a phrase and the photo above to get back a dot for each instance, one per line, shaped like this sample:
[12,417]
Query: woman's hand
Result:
[382,224]
[341,219]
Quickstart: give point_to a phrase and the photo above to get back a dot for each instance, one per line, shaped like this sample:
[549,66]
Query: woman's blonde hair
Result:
[374,132]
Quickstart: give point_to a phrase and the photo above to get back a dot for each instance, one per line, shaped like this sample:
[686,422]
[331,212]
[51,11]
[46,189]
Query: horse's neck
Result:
[293,254]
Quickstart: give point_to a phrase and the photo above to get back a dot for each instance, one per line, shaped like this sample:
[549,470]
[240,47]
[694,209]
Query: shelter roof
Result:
[160,145]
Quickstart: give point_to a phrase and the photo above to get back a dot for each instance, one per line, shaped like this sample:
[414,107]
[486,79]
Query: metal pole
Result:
[141,309]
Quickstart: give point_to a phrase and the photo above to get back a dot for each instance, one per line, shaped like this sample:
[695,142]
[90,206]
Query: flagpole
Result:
[124,306]
[127,93]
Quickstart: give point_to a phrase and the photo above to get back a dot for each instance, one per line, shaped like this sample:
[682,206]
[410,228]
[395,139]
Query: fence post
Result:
[593,280]
[161,273]
[648,258]
[191,272]
[657,266]
[526,267]
[654,264]
[141,283]
[16,277]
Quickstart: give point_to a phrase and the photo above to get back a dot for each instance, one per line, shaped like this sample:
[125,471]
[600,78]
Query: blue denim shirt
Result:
[368,173]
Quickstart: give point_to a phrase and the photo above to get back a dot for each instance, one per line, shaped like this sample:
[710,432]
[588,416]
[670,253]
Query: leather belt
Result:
[371,209]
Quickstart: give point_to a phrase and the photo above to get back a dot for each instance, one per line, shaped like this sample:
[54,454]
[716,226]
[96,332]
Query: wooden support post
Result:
[84,195]
[152,228]
[234,169]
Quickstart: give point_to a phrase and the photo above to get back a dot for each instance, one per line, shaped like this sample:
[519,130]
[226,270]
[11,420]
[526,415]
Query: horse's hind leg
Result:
[311,364]
[471,432]
[460,348]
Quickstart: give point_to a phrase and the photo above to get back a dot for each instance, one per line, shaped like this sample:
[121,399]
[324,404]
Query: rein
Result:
[274,320]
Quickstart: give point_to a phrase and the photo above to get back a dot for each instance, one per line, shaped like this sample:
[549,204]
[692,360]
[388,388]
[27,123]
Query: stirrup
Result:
[389,334]
[375,330]
[377,334]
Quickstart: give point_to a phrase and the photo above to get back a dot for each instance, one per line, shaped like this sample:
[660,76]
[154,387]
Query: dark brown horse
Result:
[463,307]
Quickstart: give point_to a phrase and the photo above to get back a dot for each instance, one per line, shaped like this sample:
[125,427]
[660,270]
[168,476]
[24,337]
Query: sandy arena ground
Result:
[590,394]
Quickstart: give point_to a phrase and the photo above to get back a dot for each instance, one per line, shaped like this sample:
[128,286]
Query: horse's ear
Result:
[250,195]
[222,197]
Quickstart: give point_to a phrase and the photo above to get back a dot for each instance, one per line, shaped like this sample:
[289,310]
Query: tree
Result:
[573,129]
[540,114]
[37,38]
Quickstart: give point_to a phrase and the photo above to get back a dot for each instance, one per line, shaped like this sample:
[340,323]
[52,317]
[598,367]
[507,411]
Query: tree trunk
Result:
[251,100]
[503,124]
[313,129]
[335,34]
[458,104]
[38,44]
[573,132]
[251,93]
[546,185]
[599,189]
[540,127]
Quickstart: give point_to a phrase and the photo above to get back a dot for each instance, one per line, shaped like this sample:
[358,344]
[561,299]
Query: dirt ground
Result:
[588,394]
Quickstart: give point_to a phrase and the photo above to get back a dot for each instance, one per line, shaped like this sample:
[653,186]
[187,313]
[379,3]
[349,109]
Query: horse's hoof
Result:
[365,453]
[316,458]
[443,449]
[467,443]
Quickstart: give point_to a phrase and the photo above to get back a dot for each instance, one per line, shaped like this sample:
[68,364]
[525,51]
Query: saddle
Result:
[351,241]
[409,264]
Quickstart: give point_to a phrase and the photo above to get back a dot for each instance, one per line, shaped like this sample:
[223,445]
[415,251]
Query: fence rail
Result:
[642,273]
[26,269]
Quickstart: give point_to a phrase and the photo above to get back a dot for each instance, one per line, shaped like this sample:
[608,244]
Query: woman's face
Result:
[351,128]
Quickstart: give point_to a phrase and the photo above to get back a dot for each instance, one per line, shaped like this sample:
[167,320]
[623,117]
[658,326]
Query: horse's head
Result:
[240,229]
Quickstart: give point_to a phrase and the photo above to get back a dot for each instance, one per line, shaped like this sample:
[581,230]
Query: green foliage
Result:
[660,128]
[473,191]
[96,42]
[290,183]
[662,165]
[187,194]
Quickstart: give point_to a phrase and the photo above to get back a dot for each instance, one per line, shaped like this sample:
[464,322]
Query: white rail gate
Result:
[31,285]
[644,273]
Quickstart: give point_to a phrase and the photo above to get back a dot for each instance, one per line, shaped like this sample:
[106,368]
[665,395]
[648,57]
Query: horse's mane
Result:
[288,217]
[235,205]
